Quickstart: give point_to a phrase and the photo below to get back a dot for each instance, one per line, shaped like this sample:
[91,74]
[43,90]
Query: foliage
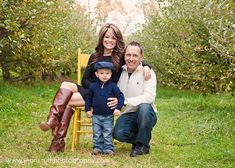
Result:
[103,11]
[41,37]
[192,131]
[191,44]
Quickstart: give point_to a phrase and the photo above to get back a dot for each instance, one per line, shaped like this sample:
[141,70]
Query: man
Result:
[136,122]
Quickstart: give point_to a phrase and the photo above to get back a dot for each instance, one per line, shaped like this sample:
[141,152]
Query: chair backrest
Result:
[82,63]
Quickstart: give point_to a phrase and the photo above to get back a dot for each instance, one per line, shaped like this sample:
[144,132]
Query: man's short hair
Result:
[134,43]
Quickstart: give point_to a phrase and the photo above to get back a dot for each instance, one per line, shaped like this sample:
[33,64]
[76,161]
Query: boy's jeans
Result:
[103,133]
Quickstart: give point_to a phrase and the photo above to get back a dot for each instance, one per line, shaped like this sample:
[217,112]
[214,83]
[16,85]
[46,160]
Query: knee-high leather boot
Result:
[58,106]
[58,143]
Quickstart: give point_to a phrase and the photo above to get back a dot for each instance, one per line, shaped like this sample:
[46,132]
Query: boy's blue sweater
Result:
[98,95]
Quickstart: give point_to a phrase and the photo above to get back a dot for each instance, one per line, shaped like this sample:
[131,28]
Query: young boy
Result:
[102,115]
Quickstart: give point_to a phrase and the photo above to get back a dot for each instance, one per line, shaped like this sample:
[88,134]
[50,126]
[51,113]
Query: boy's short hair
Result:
[103,65]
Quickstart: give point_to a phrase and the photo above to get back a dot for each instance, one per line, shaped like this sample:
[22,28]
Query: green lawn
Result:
[192,131]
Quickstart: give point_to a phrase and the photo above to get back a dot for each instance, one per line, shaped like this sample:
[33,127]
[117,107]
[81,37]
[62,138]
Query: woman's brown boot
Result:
[58,106]
[58,143]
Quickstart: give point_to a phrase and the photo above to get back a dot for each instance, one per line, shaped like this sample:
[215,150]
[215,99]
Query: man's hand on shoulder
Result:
[147,73]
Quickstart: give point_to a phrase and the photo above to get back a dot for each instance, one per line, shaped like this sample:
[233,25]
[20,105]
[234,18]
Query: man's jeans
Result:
[136,127]
[102,133]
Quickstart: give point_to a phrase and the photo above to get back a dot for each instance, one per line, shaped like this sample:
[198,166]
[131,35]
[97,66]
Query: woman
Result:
[110,48]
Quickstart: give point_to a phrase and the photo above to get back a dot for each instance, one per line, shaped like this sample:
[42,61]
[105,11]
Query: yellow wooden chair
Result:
[78,122]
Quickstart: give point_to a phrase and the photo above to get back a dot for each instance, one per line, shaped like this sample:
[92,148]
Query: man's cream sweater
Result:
[136,90]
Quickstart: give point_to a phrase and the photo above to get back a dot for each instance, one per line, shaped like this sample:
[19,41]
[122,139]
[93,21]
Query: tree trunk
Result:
[5,72]
[3,62]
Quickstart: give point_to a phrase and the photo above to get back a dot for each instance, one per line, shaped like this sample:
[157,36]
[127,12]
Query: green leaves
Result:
[36,34]
[191,45]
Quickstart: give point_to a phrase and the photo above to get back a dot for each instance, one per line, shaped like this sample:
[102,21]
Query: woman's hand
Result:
[112,102]
[89,114]
[147,73]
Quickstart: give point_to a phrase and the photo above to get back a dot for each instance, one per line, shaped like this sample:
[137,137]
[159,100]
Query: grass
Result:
[192,131]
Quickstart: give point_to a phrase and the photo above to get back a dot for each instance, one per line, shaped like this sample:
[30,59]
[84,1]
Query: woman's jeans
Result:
[136,127]
[102,133]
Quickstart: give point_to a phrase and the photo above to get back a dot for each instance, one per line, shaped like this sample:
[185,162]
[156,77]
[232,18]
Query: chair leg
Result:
[74,135]
[79,126]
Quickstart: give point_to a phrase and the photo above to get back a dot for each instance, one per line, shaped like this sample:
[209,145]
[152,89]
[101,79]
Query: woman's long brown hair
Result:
[117,54]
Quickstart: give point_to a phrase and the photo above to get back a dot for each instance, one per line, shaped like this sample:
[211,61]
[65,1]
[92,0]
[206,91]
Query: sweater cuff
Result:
[87,109]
